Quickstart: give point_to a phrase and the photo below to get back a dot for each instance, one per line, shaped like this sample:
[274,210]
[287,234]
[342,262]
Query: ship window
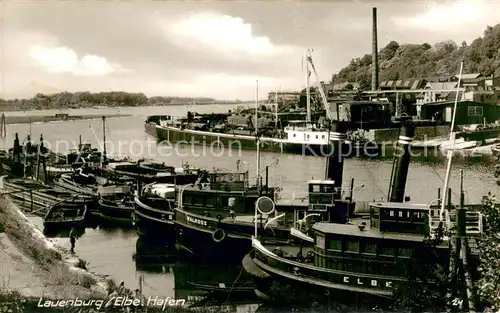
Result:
[199,201]
[323,137]
[387,251]
[210,201]
[328,188]
[400,213]
[316,188]
[405,252]
[316,136]
[335,244]
[320,241]
[352,246]
[370,248]
[391,213]
[475,111]
[293,135]
[307,136]
[188,199]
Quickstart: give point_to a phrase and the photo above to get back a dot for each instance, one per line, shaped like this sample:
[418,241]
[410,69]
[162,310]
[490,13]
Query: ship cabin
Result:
[324,204]
[221,194]
[303,132]
[158,119]
[381,244]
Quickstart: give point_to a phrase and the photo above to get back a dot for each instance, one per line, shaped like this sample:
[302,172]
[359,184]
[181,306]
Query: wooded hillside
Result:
[416,61]
[88,99]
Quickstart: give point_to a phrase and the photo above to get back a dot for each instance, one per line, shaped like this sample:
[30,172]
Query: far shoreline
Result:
[97,107]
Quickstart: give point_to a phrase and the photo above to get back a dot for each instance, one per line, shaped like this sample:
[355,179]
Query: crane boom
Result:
[329,114]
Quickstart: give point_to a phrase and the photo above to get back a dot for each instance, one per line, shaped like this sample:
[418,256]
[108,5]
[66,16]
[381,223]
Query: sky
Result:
[215,49]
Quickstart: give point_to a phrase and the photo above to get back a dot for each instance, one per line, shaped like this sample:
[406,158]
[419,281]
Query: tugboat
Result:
[154,212]
[223,212]
[368,256]
[116,206]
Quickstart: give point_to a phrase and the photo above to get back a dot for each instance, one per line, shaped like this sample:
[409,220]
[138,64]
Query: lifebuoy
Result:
[218,235]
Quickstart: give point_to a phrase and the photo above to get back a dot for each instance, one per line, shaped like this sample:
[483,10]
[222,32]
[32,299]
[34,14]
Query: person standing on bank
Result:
[72,239]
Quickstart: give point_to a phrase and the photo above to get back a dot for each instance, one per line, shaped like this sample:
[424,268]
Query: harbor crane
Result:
[309,60]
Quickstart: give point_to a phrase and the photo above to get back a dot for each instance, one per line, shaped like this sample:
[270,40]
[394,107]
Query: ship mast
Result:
[452,150]
[308,91]
[276,111]
[104,157]
[257,131]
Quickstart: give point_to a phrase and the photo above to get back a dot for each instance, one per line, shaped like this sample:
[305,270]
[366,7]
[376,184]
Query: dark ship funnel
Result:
[335,159]
[401,162]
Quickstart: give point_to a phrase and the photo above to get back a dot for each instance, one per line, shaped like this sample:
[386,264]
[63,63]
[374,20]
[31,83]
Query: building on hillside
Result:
[339,89]
[283,96]
[402,84]
[492,82]
[468,112]
[489,95]
[437,91]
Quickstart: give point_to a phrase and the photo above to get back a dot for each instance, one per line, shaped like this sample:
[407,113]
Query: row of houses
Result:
[431,98]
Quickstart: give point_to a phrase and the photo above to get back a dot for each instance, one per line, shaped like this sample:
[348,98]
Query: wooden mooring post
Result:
[457,297]
[464,251]
[452,276]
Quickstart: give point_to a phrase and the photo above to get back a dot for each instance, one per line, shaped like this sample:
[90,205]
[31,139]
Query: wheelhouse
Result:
[381,244]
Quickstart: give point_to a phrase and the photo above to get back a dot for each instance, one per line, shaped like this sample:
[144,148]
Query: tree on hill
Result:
[88,99]
[416,61]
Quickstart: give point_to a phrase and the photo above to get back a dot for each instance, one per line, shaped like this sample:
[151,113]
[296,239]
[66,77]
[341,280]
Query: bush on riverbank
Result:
[489,243]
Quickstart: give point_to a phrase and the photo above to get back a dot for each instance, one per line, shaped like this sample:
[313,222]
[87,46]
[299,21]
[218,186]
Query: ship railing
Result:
[293,195]
[434,221]
[473,222]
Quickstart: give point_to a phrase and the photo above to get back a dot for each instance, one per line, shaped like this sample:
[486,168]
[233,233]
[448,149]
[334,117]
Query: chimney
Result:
[374,52]
[401,162]
[335,159]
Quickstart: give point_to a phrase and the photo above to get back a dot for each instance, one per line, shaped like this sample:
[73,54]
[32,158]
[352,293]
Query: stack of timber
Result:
[37,198]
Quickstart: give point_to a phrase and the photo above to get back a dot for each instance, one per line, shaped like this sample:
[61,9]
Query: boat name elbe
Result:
[360,281]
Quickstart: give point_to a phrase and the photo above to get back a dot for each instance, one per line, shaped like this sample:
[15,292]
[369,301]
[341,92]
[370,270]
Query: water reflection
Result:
[200,284]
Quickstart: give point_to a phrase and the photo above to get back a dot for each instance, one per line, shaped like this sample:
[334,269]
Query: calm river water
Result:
[111,252]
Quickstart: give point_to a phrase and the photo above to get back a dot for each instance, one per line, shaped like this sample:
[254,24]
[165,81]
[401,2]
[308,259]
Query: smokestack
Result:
[335,160]
[401,163]
[374,52]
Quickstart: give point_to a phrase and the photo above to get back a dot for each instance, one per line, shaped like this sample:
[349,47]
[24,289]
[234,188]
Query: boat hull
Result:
[153,224]
[115,215]
[211,239]
[196,242]
[150,129]
[75,219]
[282,288]
[179,179]
[232,144]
